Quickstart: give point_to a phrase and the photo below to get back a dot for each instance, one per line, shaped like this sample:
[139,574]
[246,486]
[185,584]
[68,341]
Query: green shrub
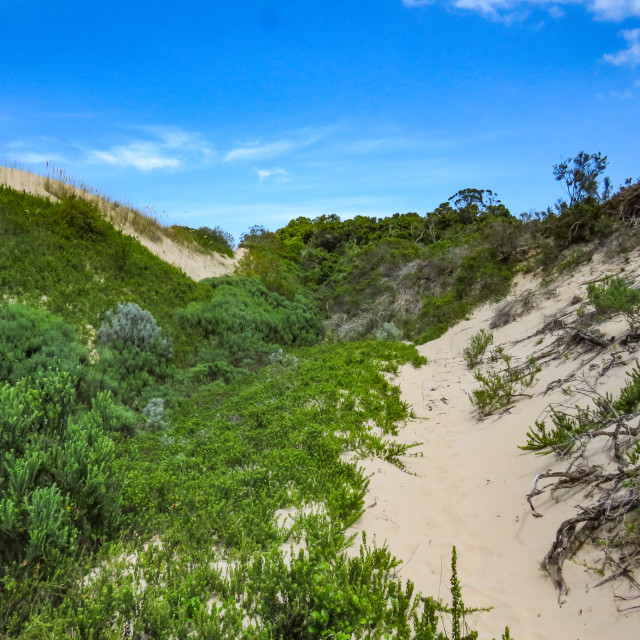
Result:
[34,340]
[564,436]
[206,238]
[474,352]
[57,483]
[613,296]
[243,324]
[499,388]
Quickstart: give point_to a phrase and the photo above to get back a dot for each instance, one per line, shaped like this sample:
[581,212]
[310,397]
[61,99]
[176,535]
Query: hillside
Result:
[468,482]
[171,245]
[260,455]
[63,255]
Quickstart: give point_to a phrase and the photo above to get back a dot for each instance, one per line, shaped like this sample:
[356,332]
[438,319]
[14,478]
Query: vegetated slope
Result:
[414,276]
[221,458]
[65,257]
[470,481]
[419,273]
[137,499]
[200,253]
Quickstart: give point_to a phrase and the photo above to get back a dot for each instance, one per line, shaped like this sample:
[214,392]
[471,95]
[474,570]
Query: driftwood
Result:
[574,532]
[616,482]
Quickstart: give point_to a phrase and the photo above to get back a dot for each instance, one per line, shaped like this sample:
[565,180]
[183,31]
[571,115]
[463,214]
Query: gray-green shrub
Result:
[129,326]
[154,413]
[134,352]
[388,332]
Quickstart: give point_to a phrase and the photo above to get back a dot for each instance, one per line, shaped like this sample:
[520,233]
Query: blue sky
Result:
[256,112]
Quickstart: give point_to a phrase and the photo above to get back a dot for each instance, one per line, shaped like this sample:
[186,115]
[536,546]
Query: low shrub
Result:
[243,324]
[58,488]
[129,326]
[134,352]
[474,352]
[388,332]
[34,340]
[613,296]
[499,388]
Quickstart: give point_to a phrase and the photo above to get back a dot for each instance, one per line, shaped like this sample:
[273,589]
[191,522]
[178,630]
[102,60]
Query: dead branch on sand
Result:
[612,521]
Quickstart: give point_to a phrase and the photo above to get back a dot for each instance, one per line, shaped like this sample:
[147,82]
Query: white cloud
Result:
[171,149]
[293,141]
[615,10]
[263,174]
[140,155]
[22,152]
[629,57]
[255,151]
[32,157]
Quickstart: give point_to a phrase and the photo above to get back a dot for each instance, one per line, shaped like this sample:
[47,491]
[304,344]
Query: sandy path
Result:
[467,487]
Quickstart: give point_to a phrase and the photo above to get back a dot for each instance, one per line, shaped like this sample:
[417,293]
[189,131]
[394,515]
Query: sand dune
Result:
[468,482]
[195,264]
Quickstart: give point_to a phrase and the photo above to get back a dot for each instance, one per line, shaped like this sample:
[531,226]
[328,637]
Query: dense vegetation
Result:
[423,273]
[65,257]
[171,453]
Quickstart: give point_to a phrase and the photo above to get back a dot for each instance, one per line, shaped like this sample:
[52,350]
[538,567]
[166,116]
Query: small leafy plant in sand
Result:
[499,387]
[613,296]
[473,354]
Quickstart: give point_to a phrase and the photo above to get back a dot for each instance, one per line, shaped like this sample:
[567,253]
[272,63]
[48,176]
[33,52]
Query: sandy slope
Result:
[194,264]
[468,483]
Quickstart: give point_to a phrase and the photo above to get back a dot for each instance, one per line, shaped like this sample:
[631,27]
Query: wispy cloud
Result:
[381,145]
[506,10]
[263,174]
[629,57]
[141,155]
[256,151]
[22,152]
[32,157]
[614,9]
[169,148]
[287,143]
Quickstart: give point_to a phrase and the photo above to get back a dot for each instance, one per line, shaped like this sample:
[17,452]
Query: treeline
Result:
[422,273]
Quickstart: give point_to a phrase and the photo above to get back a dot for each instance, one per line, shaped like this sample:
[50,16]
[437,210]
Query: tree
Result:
[470,203]
[580,176]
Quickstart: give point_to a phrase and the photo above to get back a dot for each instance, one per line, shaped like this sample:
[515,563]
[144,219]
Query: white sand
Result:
[470,480]
[196,265]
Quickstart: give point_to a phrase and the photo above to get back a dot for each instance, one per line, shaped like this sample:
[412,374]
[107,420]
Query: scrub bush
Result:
[388,332]
[499,388]
[134,352]
[243,324]
[129,326]
[474,352]
[58,488]
[154,413]
[33,340]
[613,296]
